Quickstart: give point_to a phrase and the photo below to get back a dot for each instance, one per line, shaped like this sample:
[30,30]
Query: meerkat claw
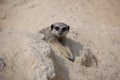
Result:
[71,59]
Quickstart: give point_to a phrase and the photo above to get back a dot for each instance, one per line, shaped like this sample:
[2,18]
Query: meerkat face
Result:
[59,29]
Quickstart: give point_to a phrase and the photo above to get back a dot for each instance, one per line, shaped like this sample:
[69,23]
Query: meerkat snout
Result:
[59,29]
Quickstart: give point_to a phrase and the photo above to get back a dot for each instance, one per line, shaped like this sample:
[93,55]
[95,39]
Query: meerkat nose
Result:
[60,33]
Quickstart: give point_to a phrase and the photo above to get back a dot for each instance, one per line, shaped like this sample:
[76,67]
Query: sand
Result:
[94,25]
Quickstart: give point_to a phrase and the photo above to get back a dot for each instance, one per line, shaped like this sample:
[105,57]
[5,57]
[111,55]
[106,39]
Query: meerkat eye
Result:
[56,28]
[64,29]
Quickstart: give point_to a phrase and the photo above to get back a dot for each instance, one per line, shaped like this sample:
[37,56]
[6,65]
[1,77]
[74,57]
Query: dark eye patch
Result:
[57,28]
[64,29]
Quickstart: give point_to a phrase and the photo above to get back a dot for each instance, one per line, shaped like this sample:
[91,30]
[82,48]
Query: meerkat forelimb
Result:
[67,46]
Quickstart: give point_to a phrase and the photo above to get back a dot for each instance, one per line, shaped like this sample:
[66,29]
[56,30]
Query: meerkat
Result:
[56,36]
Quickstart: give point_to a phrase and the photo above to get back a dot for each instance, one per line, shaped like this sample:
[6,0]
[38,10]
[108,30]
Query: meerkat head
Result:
[59,29]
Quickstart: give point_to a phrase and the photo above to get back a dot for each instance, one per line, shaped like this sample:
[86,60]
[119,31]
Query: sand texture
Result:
[94,36]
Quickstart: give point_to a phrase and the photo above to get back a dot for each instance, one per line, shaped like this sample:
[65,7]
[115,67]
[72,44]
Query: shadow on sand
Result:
[88,58]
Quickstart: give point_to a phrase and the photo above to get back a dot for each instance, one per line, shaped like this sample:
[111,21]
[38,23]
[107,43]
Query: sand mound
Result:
[24,56]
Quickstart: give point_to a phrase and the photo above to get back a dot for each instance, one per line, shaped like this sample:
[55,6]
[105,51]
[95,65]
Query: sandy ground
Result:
[94,24]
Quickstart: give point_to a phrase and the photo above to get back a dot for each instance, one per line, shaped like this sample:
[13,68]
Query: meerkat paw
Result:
[71,58]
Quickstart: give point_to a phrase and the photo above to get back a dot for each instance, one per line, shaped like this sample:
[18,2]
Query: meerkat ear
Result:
[52,26]
[68,27]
